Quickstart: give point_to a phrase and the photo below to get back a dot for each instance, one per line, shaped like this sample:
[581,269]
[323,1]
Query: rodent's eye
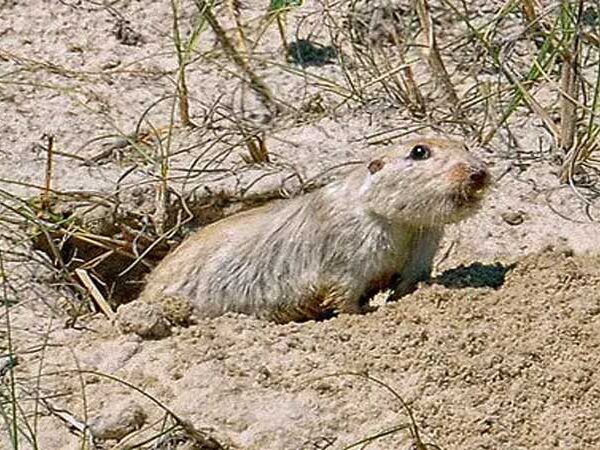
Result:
[420,152]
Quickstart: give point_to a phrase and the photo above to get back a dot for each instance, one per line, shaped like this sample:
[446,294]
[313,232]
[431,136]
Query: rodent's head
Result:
[425,182]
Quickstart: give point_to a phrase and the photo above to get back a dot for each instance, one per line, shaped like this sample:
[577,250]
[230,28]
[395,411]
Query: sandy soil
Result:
[500,350]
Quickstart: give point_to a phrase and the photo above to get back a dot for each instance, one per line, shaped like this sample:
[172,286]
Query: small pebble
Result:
[144,319]
[513,217]
[117,419]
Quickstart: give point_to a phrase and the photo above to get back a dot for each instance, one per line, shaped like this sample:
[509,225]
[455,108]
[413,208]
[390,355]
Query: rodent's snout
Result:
[471,182]
[478,179]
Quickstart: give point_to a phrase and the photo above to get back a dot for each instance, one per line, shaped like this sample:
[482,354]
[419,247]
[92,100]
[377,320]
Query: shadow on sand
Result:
[475,275]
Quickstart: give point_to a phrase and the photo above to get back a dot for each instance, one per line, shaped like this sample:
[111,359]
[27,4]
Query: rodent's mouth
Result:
[472,190]
[469,196]
[466,201]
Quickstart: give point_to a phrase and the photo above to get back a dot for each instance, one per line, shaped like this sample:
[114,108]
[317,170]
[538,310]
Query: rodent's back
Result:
[185,268]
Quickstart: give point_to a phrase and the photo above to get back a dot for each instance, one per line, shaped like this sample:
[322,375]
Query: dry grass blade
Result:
[45,200]
[257,148]
[377,35]
[182,91]
[569,83]
[64,416]
[234,11]
[159,218]
[141,141]
[434,57]
[96,294]
[521,93]
[417,444]
[535,105]
[199,439]
[162,188]
[529,8]
[280,19]
[580,153]
[257,84]
[11,416]
[414,93]
[254,140]
[538,25]
[401,68]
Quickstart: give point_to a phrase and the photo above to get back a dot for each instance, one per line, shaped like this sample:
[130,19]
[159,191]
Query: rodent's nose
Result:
[479,179]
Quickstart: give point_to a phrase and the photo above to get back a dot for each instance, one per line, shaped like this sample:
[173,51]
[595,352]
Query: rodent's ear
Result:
[376,165]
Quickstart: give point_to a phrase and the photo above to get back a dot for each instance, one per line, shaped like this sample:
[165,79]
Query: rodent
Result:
[329,251]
